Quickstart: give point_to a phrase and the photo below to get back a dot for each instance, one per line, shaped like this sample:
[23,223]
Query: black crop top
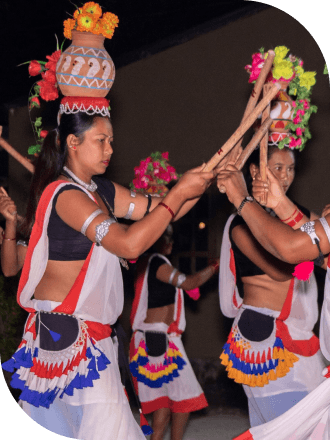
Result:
[160,293]
[65,243]
[244,266]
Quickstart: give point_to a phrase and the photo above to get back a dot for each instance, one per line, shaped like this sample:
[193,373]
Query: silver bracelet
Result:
[133,194]
[326,227]
[102,229]
[89,220]
[174,271]
[309,228]
[181,279]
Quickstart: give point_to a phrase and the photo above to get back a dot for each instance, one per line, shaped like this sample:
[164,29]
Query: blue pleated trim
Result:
[23,358]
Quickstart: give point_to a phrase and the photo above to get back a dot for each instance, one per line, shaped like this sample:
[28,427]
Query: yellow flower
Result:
[283,69]
[85,22]
[307,79]
[92,8]
[280,53]
[69,24]
[299,70]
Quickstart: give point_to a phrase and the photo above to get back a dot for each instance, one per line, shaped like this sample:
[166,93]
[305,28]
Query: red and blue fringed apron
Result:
[60,350]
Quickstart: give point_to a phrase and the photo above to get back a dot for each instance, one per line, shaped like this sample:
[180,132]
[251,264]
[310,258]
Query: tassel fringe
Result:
[153,375]
[42,376]
[256,369]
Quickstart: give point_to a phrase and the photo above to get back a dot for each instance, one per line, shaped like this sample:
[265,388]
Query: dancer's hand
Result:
[194,182]
[272,189]
[232,182]
[7,207]
[326,210]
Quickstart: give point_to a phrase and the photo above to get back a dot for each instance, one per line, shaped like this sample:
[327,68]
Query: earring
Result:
[73,148]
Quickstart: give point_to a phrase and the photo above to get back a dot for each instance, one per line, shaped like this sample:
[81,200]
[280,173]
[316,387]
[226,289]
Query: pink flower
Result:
[305,103]
[43,133]
[165,155]
[294,104]
[299,131]
[297,120]
[300,112]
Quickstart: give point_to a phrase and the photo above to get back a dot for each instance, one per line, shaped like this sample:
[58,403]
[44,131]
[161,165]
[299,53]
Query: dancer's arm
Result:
[75,207]
[285,243]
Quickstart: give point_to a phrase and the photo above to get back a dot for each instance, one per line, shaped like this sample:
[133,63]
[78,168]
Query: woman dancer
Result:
[169,391]
[71,282]
[300,242]
[272,300]
[13,251]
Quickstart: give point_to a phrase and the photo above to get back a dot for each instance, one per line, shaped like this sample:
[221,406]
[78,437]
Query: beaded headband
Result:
[89,105]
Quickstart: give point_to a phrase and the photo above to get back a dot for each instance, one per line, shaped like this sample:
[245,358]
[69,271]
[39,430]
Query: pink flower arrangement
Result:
[153,173]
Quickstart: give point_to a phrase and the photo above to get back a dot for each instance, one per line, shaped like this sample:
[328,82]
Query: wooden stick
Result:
[258,86]
[15,154]
[260,134]
[264,148]
[245,125]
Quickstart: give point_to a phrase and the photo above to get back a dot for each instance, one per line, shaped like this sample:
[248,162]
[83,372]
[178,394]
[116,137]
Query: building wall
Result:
[188,100]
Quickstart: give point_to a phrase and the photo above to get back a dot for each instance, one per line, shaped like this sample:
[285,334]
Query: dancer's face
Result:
[282,164]
[92,156]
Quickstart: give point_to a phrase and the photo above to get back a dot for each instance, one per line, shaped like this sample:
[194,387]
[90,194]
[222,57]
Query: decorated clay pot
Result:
[281,112]
[85,68]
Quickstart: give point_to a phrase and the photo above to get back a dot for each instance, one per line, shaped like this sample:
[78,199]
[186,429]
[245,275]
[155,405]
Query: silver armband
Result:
[102,229]
[326,227]
[174,271]
[309,228]
[22,243]
[89,220]
[131,207]
[181,279]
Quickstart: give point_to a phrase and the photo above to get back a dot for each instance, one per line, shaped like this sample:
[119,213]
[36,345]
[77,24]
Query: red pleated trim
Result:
[183,406]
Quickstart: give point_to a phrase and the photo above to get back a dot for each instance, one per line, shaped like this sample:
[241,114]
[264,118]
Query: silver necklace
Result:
[89,186]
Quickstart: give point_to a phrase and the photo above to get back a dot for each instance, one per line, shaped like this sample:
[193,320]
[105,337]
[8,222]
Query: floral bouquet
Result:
[289,69]
[153,174]
[89,18]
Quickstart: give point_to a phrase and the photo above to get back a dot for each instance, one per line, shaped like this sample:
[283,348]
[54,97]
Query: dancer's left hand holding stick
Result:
[11,257]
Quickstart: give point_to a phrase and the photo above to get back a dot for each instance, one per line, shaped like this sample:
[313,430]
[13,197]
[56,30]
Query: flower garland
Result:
[153,173]
[289,69]
[46,89]
[89,18]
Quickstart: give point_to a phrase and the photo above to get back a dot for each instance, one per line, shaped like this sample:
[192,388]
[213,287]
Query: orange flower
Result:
[98,29]
[92,8]
[69,24]
[109,22]
[77,12]
[85,22]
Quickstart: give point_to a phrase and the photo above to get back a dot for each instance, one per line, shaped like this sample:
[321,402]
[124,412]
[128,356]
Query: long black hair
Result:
[52,158]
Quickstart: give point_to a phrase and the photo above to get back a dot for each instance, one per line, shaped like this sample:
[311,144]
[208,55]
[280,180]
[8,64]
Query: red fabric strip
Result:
[245,436]
[305,347]
[98,331]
